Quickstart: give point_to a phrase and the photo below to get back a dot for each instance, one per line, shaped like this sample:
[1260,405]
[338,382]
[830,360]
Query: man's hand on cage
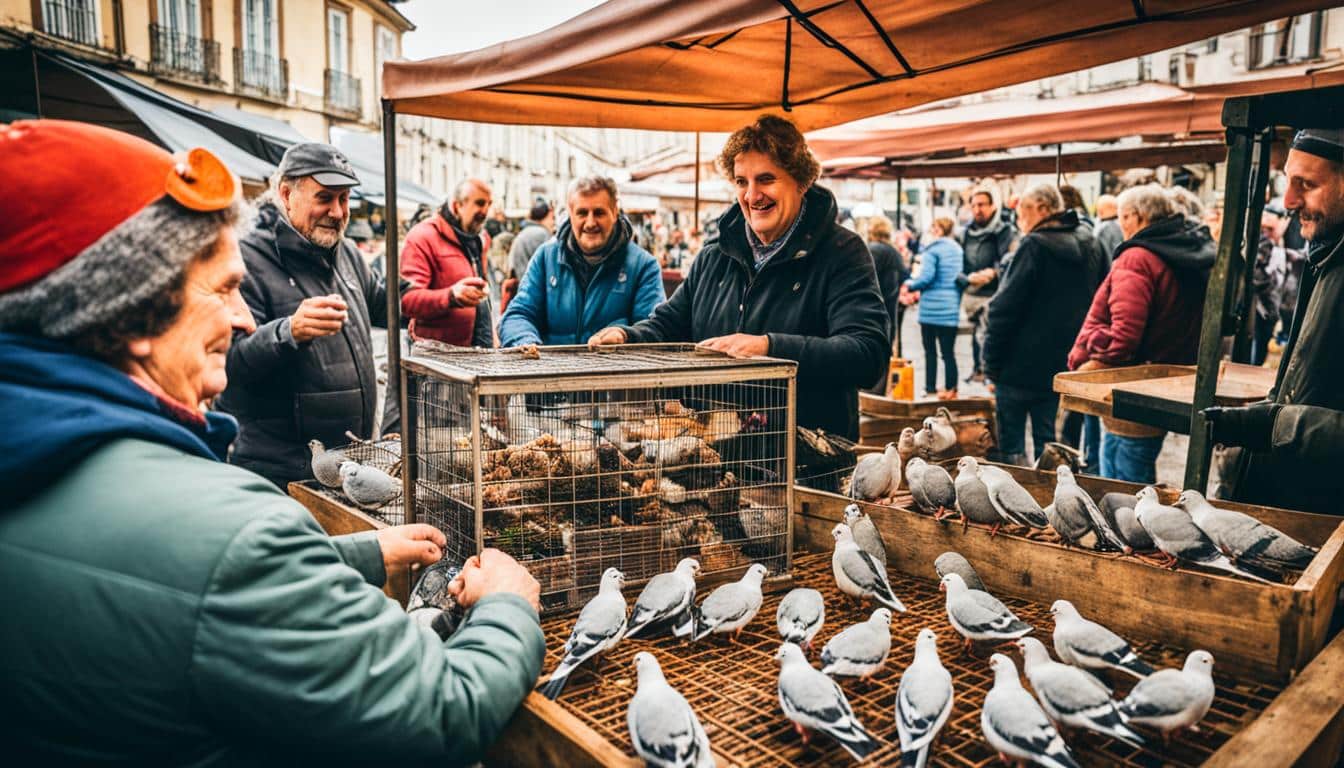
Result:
[407,545]
[607,336]
[739,345]
[490,572]
[317,316]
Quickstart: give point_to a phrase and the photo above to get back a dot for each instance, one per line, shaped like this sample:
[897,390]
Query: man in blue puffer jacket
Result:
[589,276]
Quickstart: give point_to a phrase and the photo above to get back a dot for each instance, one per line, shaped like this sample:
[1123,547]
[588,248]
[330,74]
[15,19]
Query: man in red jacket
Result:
[1147,310]
[447,300]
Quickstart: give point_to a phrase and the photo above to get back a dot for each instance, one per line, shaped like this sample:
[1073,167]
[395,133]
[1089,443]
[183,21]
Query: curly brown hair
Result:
[780,140]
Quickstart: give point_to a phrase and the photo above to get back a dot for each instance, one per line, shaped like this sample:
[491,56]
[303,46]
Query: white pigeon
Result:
[663,728]
[953,562]
[865,533]
[1119,508]
[369,487]
[1170,699]
[800,616]
[861,649]
[905,445]
[1014,724]
[857,574]
[931,487]
[815,703]
[666,602]
[326,464]
[1247,541]
[1013,503]
[1177,536]
[942,436]
[731,606]
[1089,645]
[923,701]
[1072,697]
[972,497]
[597,630]
[979,615]
[876,475]
[1076,505]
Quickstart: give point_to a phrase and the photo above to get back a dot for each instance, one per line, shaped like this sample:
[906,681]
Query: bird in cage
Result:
[597,630]
[665,602]
[369,487]
[326,464]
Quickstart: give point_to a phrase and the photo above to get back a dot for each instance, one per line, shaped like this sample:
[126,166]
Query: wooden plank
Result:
[880,406]
[1183,607]
[338,519]
[1303,727]
[542,734]
[1321,583]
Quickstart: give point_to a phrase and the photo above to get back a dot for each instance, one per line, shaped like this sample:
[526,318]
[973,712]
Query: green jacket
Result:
[163,608]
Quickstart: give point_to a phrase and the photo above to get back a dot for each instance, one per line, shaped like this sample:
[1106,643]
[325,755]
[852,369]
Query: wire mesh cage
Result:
[575,460]
[383,454]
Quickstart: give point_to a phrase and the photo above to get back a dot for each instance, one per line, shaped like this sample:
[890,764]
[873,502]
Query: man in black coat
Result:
[984,244]
[307,371]
[1294,441]
[781,279]
[1034,317]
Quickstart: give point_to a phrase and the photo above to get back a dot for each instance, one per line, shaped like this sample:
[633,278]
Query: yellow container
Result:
[900,379]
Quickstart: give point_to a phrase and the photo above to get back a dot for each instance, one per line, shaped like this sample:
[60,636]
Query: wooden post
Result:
[899,195]
[695,224]
[393,275]
[1221,292]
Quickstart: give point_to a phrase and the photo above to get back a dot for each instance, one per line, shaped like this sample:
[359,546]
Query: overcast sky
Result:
[452,26]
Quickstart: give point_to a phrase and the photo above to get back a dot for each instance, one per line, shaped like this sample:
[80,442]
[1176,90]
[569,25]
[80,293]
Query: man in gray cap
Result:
[307,371]
[1294,441]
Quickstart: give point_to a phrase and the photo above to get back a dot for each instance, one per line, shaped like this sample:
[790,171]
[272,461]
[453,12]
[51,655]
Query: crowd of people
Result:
[167,350]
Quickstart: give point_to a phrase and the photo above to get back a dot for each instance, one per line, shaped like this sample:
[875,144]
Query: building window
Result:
[257,65]
[342,90]
[1286,41]
[338,40]
[176,45]
[385,49]
[75,20]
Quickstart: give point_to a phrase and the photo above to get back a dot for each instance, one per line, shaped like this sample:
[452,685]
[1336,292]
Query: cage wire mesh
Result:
[574,461]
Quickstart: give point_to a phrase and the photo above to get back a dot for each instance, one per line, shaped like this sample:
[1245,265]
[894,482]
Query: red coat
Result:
[433,260]
[1142,313]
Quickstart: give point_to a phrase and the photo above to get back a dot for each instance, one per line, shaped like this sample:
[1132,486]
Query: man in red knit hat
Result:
[175,609]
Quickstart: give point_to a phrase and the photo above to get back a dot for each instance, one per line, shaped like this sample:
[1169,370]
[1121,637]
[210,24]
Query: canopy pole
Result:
[1250,248]
[695,223]
[900,222]
[1059,156]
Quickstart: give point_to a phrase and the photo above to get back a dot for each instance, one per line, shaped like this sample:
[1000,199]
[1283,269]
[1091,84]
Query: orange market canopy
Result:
[713,65]
[1142,155]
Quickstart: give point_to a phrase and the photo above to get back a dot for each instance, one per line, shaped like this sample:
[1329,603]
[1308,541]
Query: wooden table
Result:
[1157,395]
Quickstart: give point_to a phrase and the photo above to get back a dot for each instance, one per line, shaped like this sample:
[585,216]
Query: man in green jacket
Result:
[162,606]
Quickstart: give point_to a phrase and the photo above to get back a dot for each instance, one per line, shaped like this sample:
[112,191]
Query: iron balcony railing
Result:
[342,92]
[71,20]
[173,53]
[259,74]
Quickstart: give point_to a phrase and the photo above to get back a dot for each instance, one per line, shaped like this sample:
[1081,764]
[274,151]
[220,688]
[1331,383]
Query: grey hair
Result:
[1185,202]
[463,189]
[589,185]
[127,285]
[1046,197]
[1149,202]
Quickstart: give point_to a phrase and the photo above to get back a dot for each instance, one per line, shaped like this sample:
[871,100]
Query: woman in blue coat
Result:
[939,306]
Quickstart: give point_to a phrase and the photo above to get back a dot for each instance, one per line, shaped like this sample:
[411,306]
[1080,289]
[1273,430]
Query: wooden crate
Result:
[881,420]
[886,407]
[338,518]
[1093,391]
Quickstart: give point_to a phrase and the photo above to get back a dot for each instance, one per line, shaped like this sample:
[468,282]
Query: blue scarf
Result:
[762,252]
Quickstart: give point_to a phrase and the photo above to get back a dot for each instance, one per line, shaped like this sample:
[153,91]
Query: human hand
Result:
[468,292]
[739,345]
[607,336]
[493,572]
[317,316]
[1250,426]
[977,278]
[407,545]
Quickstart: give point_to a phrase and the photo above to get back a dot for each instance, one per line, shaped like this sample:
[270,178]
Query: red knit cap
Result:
[70,183]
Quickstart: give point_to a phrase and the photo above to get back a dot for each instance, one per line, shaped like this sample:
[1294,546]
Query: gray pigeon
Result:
[923,701]
[876,475]
[953,562]
[1170,699]
[815,703]
[800,616]
[1177,536]
[1074,505]
[972,497]
[979,615]
[665,602]
[1072,697]
[1119,510]
[1088,645]
[861,649]
[942,435]
[326,464]
[1014,724]
[663,728]
[857,574]
[931,487]
[431,589]
[1013,503]
[1247,541]
[731,606]
[369,487]
[866,534]
[597,630]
